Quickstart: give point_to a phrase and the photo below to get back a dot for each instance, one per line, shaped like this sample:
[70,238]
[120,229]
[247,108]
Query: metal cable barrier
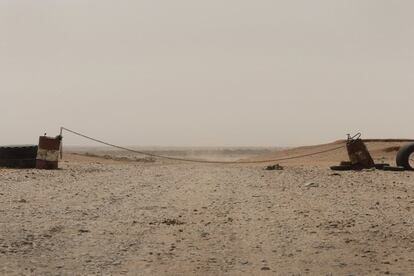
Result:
[200,161]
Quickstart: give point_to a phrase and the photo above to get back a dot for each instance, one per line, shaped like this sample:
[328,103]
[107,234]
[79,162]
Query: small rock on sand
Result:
[311,185]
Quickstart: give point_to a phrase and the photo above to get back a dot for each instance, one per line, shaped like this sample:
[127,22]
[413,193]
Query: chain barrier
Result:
[200,161]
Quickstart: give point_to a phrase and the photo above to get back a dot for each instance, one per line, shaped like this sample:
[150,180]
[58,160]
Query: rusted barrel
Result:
[359,154]
[48,153]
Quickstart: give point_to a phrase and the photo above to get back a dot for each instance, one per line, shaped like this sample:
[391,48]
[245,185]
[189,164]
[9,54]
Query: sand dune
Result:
[380,149]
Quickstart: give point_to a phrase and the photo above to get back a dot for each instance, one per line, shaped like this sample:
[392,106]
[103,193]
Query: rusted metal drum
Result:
[359,154]
[48,153]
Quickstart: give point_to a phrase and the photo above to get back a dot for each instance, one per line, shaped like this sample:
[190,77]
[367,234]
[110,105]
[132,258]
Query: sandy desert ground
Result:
[120,216]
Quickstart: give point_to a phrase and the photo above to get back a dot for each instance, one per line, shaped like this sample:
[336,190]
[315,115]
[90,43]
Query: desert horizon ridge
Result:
[387,147]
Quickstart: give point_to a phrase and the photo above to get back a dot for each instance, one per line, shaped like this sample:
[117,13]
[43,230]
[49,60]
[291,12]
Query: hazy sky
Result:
[209,73]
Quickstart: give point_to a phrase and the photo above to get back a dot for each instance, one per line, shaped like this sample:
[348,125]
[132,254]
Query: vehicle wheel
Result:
[18,163]
[18,156]
[403,156]
[18,152]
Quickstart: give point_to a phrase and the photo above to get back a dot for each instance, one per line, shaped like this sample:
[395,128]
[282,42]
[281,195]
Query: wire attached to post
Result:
[199,161]
[61,143]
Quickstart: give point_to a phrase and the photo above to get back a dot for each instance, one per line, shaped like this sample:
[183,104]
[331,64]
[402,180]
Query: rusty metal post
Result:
[359,154]
[48,153]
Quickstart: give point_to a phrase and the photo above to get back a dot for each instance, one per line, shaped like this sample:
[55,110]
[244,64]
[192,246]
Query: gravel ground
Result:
[105,217]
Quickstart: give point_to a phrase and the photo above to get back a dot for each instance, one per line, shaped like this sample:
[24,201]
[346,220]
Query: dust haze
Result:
[206,73]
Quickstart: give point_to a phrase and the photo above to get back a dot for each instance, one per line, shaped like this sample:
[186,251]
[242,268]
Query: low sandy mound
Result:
[328,154]
[381,151]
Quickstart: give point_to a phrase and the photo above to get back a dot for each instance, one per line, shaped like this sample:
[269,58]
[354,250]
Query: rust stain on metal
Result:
[48,153]
[359,155]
